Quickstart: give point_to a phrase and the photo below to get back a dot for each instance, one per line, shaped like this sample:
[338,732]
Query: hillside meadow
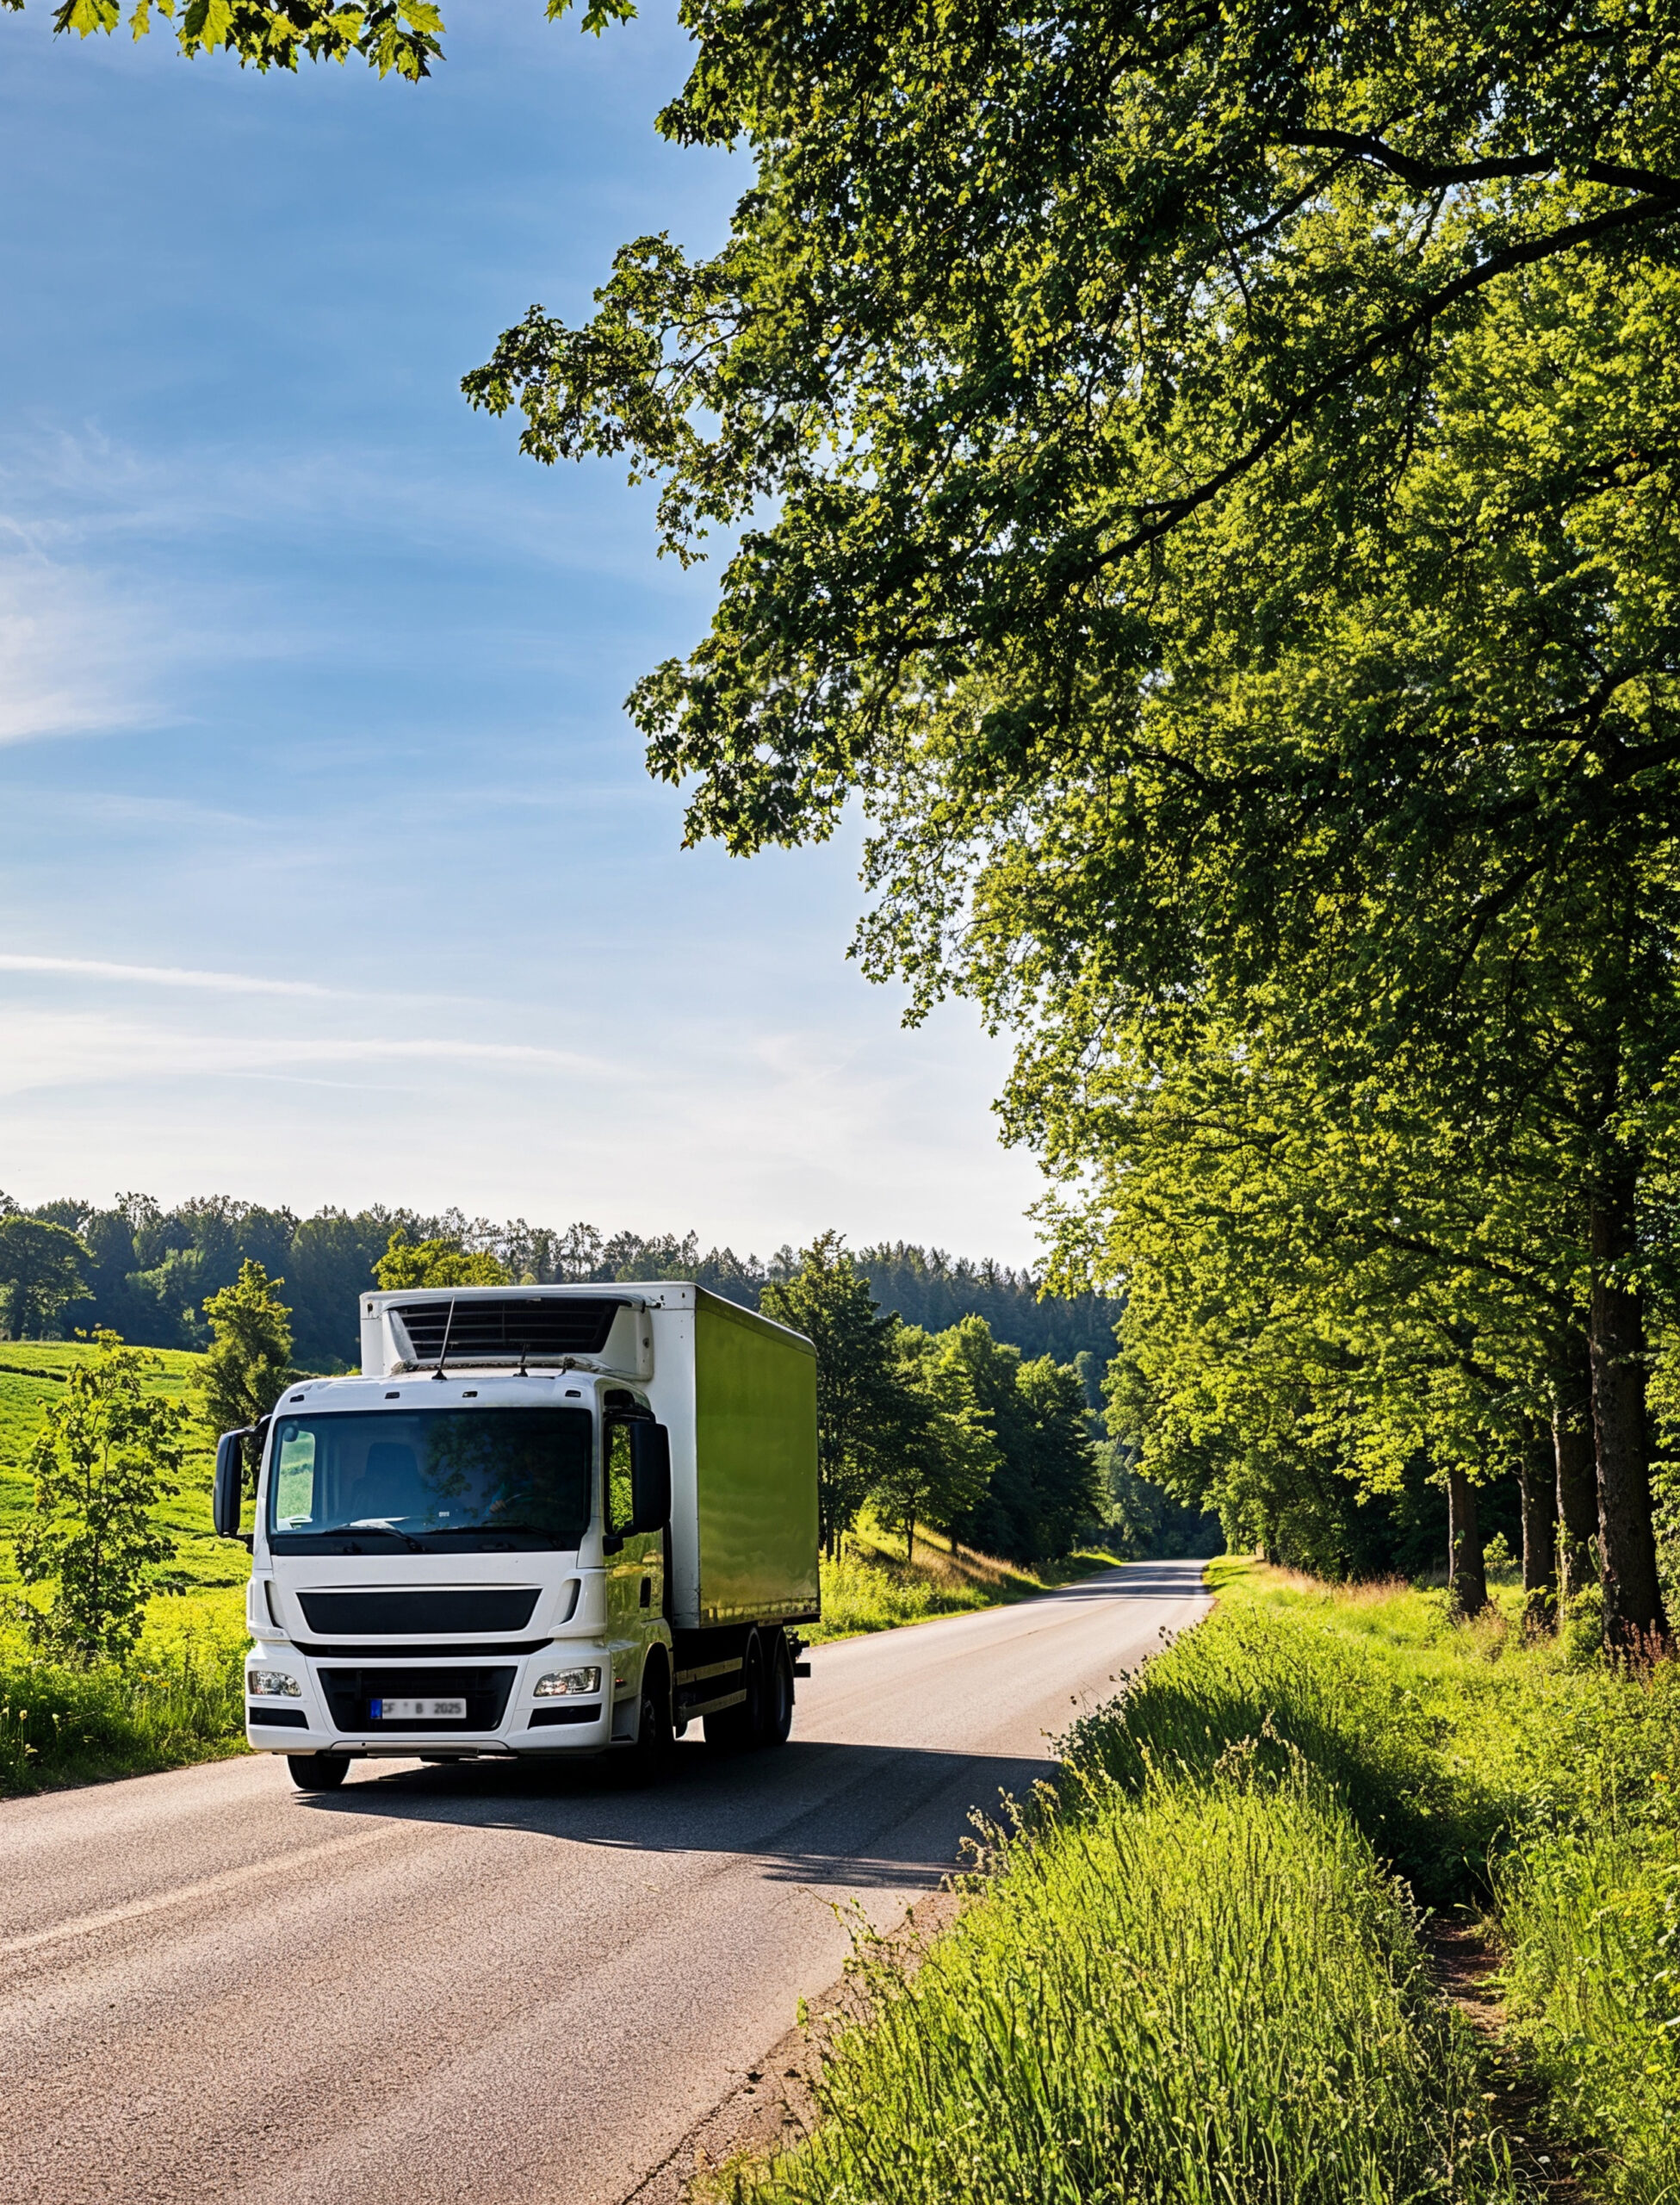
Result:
[180,1699]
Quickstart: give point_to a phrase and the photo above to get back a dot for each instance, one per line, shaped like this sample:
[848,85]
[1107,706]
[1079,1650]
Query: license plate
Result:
[419,1711]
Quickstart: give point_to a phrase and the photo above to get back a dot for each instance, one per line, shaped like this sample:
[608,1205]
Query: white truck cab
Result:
[541,1520]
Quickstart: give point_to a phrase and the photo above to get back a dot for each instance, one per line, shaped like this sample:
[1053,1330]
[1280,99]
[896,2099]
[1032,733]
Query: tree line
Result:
[143,1271]
[1203,485]
[926,1427]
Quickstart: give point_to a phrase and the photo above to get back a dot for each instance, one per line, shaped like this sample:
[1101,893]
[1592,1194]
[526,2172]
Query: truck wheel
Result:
[732,1728]
[655,1741]
[778,1695]
[318,1772]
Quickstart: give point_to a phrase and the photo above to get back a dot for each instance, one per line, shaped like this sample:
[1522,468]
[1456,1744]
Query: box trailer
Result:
[541,1521]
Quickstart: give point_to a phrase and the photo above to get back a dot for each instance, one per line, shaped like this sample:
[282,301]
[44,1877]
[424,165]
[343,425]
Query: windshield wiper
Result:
[382,1523]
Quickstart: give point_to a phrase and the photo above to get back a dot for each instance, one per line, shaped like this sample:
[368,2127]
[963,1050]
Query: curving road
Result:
[442,1986]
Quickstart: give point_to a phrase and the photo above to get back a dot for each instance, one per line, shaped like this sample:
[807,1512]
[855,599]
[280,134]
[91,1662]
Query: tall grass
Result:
[182,1698]
[1592,1926]
[59,1725]
[1206,1992]
[1501,1777]
[1198,1975]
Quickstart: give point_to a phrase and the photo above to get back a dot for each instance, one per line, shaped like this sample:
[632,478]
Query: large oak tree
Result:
[1203,477]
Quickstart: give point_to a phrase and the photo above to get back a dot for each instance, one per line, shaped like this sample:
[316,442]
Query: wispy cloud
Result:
[70,1050]
[76,654]
[165,976]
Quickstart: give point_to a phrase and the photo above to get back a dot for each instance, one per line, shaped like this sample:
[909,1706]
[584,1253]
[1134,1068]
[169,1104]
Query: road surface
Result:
[444,1986]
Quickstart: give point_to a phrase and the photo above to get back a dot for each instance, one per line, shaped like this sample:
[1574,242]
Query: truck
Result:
[542,1521]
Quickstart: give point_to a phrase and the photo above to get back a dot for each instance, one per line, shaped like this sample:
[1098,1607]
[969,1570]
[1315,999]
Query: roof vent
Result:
[515,1328]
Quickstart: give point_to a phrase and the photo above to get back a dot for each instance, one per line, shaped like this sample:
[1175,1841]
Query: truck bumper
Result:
[332,1712]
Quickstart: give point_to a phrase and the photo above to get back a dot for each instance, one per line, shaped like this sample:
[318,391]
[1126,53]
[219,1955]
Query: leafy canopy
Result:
[42,1266]
[404,36]
[436,1263]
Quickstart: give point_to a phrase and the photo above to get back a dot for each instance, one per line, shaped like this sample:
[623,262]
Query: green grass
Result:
[872,1586]
[1196,1974]
[1202,1990]
[31,1378]
[1512,1780]
[181,1699]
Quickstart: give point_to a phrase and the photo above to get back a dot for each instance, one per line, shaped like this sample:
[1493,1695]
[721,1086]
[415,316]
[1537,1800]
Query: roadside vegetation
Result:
[873,1585]
[139,1669]
[1200,1968]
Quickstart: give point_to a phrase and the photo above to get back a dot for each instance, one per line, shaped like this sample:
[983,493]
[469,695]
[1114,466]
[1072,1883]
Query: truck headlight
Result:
[272,1684]
[567,1684]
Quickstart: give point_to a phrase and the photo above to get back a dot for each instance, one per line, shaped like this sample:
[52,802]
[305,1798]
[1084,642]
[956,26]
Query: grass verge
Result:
[1196,1975]
[1202,1990]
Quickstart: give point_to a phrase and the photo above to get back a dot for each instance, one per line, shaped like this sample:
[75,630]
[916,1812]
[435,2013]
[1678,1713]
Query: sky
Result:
[332,873]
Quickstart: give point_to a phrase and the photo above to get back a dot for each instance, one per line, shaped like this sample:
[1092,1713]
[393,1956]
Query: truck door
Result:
[635,1574]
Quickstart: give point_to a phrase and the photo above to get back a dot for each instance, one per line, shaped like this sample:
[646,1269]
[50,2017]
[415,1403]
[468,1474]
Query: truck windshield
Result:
[443,1479]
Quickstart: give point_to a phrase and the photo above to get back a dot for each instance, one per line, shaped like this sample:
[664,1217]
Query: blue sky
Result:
[333,872]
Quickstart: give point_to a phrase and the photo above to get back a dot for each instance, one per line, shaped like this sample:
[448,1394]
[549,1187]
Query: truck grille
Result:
[350,1692]
[415,1615]
[521,1327]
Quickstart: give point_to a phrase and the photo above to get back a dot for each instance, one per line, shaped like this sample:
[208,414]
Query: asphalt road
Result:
[439,1986]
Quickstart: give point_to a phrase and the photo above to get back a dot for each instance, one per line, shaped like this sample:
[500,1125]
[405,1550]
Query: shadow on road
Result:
[856,1815]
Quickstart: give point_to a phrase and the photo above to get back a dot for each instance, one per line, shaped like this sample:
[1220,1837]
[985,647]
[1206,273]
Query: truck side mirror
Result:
[650,1477]
[228,1491]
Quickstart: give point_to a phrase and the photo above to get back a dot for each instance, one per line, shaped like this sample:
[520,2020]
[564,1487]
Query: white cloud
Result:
[162,976]
[77,655]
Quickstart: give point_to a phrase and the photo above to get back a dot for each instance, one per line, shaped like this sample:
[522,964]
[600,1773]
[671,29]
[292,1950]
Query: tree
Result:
[859,1401]
[42,1267]
[442,1262]
[1068,1485]
[249,1364]
[403,36]
[937,1456]
[1216,468]
[108,1453]
[1045,1486]
[329,1264]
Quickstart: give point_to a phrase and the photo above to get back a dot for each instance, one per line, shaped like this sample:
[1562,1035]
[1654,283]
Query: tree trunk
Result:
[1539,1533]
[910,1539]
[1627,1544]
[1578,1472]
[1466,1574]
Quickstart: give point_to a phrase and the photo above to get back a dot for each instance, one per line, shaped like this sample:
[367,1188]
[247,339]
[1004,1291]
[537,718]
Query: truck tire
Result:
[318,1772]
[649,1758]
[733,1728]
[778,1693]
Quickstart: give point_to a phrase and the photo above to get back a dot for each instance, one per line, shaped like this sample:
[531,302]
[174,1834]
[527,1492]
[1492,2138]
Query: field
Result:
[182,1701]
[1202,1968]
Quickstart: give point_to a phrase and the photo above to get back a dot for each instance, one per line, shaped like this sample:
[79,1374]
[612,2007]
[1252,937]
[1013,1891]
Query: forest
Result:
[144,1271]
